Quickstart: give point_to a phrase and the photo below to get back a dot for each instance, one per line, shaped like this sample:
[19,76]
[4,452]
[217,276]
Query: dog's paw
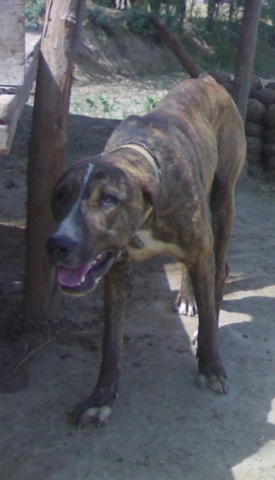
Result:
[97,415]
[218,385]
[185,307]
[83,415]
[215,378]
[194,339]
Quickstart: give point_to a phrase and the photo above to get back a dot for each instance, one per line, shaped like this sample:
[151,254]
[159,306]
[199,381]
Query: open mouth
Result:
[86,277]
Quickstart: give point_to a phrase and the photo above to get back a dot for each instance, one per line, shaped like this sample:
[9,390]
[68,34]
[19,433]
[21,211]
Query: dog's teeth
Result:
[82,280]
[97,259]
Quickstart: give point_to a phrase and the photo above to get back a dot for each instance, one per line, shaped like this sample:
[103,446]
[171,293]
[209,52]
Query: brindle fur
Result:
[197,137]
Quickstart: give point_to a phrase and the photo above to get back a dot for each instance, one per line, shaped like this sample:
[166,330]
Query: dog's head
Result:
[98,207]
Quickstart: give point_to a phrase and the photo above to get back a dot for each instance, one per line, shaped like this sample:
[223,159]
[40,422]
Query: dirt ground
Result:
[162,425]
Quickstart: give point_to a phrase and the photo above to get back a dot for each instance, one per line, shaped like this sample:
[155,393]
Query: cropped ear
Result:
[152,193]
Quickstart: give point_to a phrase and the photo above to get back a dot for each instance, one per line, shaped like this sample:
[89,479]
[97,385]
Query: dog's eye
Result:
[108,200]
[63,196]
[62,199]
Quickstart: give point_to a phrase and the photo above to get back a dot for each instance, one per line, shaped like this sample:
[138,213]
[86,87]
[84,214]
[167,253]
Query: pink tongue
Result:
[70,277]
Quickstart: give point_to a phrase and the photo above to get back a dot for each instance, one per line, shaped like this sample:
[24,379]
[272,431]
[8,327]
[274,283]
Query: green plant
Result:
[107,107]
[98,16]
[268,12]
[150,103]
[90,102]
[34,12]
[137,22]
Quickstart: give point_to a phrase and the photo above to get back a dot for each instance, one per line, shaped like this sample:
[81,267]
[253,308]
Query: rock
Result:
[269,117]
[270,162]
[269,135]
[265,95]
[269,149]
[254,145]
[255,111]
[254,129]
[254,158]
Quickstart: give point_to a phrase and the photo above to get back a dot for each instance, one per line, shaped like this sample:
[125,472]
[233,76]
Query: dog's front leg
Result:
[97,408]
[210,365]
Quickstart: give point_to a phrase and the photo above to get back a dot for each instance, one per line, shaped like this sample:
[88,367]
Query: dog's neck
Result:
[151,159]
[140,148]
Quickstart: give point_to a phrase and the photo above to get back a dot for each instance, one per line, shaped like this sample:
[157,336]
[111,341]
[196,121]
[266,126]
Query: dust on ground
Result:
[162,426]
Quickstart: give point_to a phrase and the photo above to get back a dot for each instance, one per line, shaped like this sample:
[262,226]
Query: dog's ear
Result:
[152,193]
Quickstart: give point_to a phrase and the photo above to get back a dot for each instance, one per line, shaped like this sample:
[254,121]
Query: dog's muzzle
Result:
[60,247]
[74,277]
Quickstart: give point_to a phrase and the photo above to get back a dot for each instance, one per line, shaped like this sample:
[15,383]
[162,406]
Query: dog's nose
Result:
[60,246]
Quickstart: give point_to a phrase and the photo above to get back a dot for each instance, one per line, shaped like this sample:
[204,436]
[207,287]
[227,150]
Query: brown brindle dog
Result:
[164,183]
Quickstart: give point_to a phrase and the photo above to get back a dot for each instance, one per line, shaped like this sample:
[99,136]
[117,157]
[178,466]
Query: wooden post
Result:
[246,54]
[47,151]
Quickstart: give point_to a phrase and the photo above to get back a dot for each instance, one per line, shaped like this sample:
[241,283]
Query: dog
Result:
[164,184]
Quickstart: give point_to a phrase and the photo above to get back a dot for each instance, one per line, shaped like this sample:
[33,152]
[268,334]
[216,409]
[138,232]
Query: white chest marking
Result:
[151,247]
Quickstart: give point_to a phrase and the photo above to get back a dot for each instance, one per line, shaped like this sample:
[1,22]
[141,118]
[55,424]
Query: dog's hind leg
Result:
[185,303]
[97,407]
[211,370]
[222,211]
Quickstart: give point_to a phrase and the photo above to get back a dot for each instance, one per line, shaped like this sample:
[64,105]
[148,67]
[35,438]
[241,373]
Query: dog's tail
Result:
[194,70]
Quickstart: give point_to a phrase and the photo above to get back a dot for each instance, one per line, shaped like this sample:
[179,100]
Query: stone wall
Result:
[259,126]
[260,129]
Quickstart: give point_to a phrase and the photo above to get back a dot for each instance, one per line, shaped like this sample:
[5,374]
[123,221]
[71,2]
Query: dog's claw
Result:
[194,339]
[217,383]
[97,415]
[86,413]
[186,307]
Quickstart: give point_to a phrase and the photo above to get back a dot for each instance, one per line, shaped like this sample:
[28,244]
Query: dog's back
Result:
[203,121]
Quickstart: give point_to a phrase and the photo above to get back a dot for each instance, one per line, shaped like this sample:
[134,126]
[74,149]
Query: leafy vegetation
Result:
[97,16]
[34,11]
[108,105]
[214,23]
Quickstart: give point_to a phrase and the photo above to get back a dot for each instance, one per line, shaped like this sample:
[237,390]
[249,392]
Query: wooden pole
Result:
[47,151]
[246,54]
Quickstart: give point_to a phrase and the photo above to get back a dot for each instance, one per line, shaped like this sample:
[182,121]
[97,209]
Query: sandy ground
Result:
[162,426]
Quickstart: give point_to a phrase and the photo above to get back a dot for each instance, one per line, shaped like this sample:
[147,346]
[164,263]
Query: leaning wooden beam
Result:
[47,151]
[14,96]
[177,48]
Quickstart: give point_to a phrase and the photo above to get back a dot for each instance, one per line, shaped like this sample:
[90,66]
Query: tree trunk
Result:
[47,152]
[210,13]
[231,10]
[246,54]
[191,9]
